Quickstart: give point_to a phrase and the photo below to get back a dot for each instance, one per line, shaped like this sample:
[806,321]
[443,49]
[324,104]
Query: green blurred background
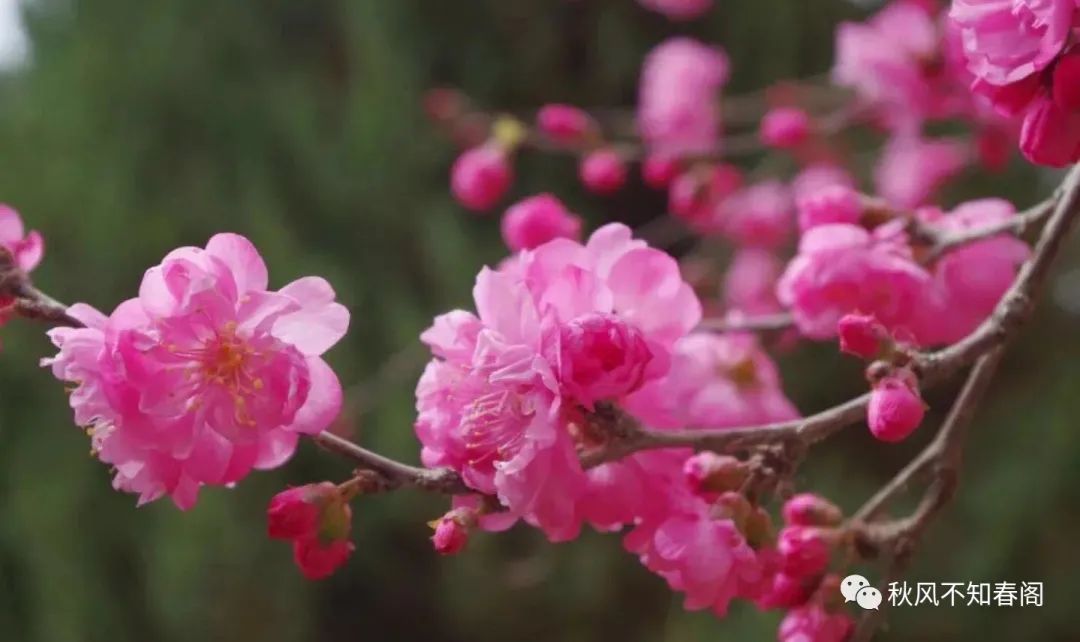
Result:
[140,126]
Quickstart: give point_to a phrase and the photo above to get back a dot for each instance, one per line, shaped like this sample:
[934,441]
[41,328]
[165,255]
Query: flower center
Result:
[227,362]
[493,425]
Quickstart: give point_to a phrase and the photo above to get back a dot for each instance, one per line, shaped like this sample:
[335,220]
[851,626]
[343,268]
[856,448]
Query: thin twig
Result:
[765,322]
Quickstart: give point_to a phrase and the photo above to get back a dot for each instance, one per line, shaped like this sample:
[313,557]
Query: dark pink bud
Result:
[480,177]
[601,357]
[787,591]
[830,204]
[452,531]
[564,123]
[785,127]
[861,335]
[1009,100]
[603,171]
[1050,135]
[803,551]
[808,509]
[658,171]
[318,558]
[1067,81]
[709,474]
[294,513]
[895,409]
[536,220]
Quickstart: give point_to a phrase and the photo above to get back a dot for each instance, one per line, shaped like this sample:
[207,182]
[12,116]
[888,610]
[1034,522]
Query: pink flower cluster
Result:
[518,391]
[1024,56]
[843,268]
[206,374]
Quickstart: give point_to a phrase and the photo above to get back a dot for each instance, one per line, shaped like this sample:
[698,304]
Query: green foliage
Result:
[142,126]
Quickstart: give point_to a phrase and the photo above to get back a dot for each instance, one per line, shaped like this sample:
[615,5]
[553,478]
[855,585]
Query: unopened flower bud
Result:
[710,474]
[808,509]
[603,171]
[536,220]
[659,171]
[480,177]
[295,512]
[861,335]
[803,551]
[785,127]
[564,123]
[895,409]
[452,531]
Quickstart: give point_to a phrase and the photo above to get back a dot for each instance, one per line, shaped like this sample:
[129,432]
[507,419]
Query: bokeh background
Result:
[132,127]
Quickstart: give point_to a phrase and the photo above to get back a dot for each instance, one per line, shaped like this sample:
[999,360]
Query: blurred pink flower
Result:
[969,281]
[204,376]
[679,94]
[812,623]
[27,249]
[1008,40]
[912,168]
[678,9]
[843,268]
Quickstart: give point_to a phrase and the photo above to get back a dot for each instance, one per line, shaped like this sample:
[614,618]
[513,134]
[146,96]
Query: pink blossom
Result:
[861,335]
[480,177]
[678,102]
[844,268]
[895,409]
[968,281]
[786,591]
[815,178]
[1008,40]
[808,509]
[27,249]
[564,123]
[894,63]
[491,404]
[603,171]
[912,168]
[750,282]
[761,215]
[206,374]
[812,623]
[678,9]
[536,220]
[803,551]
[785,127]
[602,357]
[706,559]
[835,203]
[715,381]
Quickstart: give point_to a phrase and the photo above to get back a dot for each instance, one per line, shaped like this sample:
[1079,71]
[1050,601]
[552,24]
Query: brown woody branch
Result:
[629,437]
